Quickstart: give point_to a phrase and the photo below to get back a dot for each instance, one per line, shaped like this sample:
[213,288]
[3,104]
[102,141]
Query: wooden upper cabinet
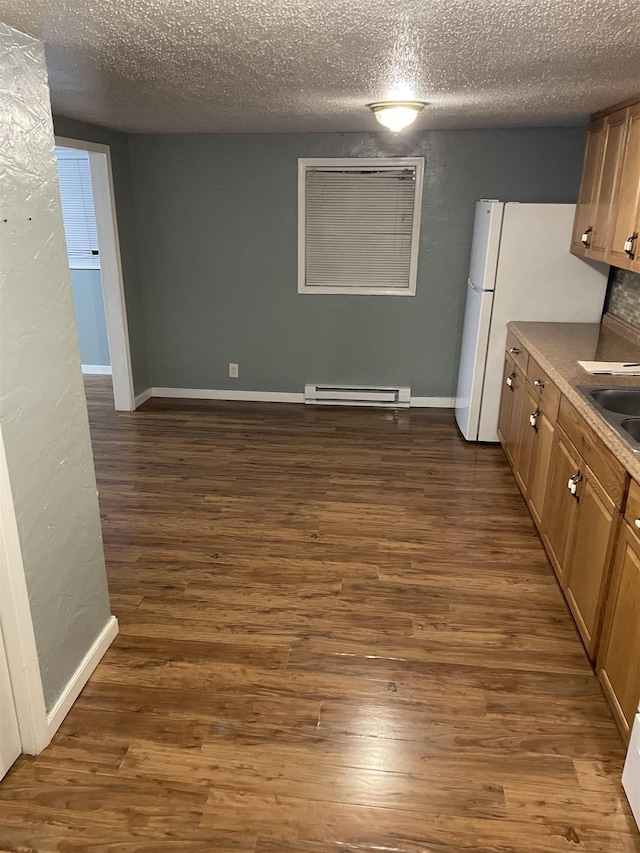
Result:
[589,187]
[607,219]
[615,128]
[624,250]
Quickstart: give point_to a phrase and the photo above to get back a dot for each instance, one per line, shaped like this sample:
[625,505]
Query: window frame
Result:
[79,187]
[356,163]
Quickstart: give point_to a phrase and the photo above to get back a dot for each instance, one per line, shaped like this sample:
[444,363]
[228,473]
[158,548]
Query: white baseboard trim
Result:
[433,402]
[80,677]
[211,394]
[100,369]
[265,397]
[142,397]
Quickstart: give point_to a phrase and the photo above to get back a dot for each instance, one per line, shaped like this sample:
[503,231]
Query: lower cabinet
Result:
[510,406]
[619,655]
[619,658]
[576,490]
[524,449]
[540,465]
[561,504]
[574,487]
[587,572]
[579,524]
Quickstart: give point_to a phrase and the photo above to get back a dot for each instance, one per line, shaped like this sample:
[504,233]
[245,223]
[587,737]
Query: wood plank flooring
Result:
[339,633]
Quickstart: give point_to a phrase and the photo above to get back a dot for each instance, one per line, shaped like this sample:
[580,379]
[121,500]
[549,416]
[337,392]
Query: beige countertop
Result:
[557,347]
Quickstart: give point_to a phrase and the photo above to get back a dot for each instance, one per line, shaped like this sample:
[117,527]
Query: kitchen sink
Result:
[620,408]
[622,401]
[632,426]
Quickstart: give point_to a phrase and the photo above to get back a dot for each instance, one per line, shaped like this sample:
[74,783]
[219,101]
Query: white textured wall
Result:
[42,404]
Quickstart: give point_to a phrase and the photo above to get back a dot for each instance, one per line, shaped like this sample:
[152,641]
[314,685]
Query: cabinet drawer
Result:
[612,476]
[632,513]
[547,393]
[517,352]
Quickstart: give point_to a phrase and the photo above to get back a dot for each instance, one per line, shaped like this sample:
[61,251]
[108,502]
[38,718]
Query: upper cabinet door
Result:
[623,244]
[615,128]
[589,187]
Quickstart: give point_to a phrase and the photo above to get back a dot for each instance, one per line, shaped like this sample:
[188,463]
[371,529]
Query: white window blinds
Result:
[361,226]
[77,208]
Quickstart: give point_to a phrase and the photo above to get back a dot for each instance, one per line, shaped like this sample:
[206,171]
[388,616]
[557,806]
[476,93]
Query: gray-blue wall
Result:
[118,143]
[217,231]
[88,304]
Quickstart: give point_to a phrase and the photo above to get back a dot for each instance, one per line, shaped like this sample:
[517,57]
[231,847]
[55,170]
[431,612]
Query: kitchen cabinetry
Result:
[607,217]
[577,492]
[561,504]
[513,384]
[573,486]
[600,176]
[624,250]
[540,465]
[532,410]
[540,412]
[619,658]
[580,519]
[589,186]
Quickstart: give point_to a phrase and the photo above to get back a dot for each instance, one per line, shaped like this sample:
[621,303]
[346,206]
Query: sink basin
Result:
[622,401]
[632,426]
[620,408]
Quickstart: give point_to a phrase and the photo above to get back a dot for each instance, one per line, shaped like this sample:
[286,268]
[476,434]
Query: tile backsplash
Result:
[624,296]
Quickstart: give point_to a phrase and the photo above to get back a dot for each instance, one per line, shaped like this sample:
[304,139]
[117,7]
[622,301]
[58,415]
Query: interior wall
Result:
[216,219]
[42,404]
[118,143]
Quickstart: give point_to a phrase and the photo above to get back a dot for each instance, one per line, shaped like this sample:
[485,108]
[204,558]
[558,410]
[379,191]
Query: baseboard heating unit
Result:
[357,395]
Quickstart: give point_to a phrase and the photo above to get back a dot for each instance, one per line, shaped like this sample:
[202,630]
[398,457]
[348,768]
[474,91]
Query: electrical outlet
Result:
[233,370]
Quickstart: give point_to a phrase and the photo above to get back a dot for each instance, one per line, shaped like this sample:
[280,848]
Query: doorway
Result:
[10,742]
[86,186]
[78,213]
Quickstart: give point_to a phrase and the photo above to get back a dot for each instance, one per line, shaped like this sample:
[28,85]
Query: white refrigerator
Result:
[521,269]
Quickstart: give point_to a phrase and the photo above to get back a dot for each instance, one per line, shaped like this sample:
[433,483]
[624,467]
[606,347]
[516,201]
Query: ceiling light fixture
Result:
[396,115]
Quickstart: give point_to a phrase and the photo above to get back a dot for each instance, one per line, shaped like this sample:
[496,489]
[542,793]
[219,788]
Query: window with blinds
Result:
[77,208]
[359,225]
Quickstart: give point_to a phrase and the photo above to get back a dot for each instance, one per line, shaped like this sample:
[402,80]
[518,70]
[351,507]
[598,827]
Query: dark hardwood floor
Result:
[339,633]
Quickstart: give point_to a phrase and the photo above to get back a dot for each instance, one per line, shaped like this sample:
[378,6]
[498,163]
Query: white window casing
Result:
[78,211]
[359,225]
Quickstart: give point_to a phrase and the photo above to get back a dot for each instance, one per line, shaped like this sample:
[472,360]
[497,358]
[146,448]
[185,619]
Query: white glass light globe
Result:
[396,115]
[396,118]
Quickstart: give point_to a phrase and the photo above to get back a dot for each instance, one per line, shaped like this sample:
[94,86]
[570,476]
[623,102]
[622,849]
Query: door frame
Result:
[17,625]
[111,268]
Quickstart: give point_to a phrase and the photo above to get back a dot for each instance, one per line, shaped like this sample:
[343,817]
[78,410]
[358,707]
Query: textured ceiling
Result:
[311,65]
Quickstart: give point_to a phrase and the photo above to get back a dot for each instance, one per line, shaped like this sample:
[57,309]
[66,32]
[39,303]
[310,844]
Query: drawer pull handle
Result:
[629,245]
[538,383]
[637,522]
[509,380]
[533,419]
[514,351]
[572,485]
[586,241]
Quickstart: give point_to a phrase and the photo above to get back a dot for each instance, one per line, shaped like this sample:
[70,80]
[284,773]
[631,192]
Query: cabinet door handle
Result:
[630,245]
[637,522]
[514,351]
[533,419]
[509,380]
[538,383]
[586,242]
[572,485]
